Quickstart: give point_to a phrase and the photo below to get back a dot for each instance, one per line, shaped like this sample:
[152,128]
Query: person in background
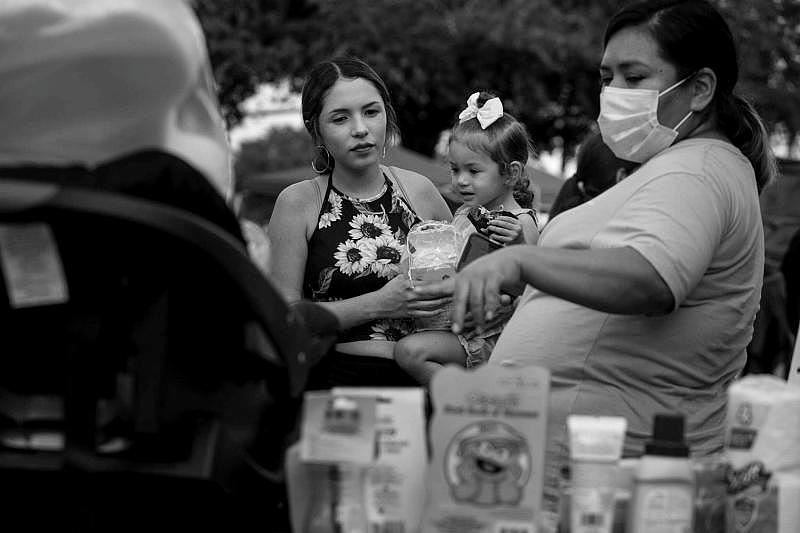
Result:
[339,238]
[770,349]
[791,274]
[488,150]
[643,301]
[597,169]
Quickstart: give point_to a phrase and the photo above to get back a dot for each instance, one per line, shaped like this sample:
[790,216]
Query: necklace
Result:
[370,195]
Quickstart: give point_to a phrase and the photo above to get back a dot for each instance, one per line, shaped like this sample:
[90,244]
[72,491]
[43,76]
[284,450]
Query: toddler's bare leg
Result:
[423,354]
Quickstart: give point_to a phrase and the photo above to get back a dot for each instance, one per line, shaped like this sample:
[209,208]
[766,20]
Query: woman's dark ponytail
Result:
[740,122]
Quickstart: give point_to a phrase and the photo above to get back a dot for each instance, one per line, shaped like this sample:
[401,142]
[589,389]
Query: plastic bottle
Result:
[663,490]
[337,500]
[711,494]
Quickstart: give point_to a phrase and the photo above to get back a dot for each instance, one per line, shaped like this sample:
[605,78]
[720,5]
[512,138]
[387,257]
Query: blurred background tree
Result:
[540,56]
[768,33]
[282,148]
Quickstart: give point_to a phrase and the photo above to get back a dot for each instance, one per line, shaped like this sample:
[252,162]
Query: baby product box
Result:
[326,470]
[360,464]
[433,249]
[488,437]
[762,443]
[394,483]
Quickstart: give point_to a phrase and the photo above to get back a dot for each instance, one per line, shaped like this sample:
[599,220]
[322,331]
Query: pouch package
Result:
[488,438]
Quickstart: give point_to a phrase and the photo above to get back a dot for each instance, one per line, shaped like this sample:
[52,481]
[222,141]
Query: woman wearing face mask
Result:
[643,300]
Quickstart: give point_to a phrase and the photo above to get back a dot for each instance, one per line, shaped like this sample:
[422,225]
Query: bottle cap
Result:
[668,437]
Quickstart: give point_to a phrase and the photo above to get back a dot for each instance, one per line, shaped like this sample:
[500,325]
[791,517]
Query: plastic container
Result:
[433,249]
[663,485]
[595,448]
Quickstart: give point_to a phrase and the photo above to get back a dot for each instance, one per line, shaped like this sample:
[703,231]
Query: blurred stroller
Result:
[150,374]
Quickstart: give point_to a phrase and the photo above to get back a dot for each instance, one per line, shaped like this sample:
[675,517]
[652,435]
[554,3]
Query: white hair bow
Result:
[486,114]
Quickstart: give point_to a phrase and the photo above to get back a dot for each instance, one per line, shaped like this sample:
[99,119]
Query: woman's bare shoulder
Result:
[413,180]
[298,206]
[300,193]
[423,194]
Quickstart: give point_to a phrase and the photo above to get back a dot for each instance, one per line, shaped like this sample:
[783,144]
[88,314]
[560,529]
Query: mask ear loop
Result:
[668,89]
[684,119]
[677,84]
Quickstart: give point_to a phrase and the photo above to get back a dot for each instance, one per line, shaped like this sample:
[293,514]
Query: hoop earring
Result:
[383,153]
[328,159]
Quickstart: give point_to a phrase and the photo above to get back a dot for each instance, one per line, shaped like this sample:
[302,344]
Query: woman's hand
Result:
[506,230]
[439,294]
[479,286]
[398,299]
[393,297]
[428,299]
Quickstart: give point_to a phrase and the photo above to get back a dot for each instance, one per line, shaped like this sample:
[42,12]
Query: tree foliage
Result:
[768,34]
[280,149]
[540,56]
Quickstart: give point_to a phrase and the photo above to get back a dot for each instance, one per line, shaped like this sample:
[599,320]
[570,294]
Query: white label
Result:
[513,527]
[337,429]
[592,509]
[663,509]
[31,265]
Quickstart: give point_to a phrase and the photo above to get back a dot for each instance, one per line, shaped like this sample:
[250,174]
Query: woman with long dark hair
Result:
[339,238]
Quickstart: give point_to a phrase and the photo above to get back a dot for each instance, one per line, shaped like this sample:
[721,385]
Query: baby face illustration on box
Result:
[487,464]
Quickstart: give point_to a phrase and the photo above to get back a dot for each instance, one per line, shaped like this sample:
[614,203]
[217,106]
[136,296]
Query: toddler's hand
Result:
[506,230]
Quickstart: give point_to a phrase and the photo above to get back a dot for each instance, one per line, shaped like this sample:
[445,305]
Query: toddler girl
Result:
[488,150]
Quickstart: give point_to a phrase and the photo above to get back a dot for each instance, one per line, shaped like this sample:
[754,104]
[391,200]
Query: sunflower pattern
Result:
[383,254]
[369,226]
[333,213]
[350,257]
[357,247]
[390,330]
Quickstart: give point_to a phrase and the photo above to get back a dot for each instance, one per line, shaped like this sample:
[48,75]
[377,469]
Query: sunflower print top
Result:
[355,249]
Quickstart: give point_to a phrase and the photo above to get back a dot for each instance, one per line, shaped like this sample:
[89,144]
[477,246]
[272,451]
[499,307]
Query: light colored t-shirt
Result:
[692,211]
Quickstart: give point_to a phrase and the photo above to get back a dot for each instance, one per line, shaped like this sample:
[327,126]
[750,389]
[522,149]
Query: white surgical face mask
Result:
[629,122]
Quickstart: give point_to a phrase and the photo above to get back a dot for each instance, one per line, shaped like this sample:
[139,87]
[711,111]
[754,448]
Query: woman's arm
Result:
[290,226]
[646,260]
[396,299]
[614,280]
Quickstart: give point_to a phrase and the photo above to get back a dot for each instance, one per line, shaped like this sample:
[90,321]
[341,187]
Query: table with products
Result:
[362,463]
